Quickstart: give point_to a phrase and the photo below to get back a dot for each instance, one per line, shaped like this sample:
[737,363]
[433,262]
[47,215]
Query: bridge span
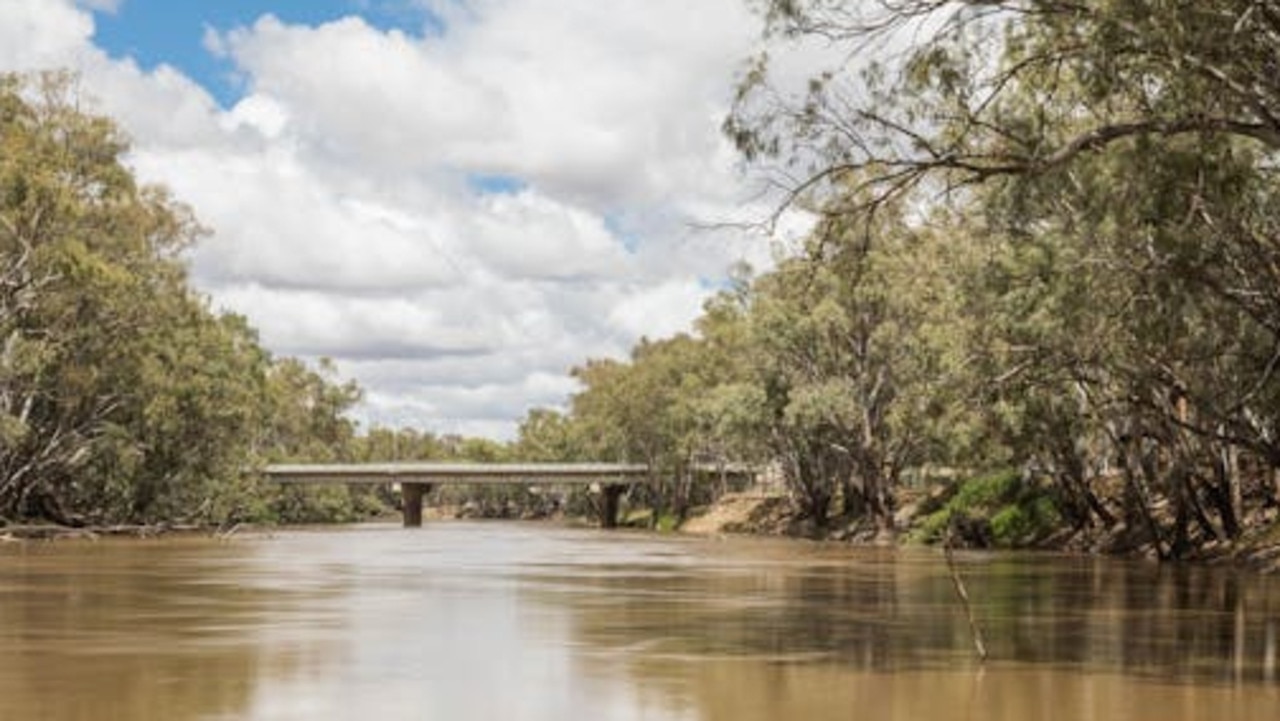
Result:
[417,479]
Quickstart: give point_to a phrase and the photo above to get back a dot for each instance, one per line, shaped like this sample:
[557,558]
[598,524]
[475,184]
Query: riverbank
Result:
[770,514]
[764,514]
[756,513]
[53,532]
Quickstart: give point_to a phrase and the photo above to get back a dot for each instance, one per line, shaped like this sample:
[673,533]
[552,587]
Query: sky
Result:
[455,200]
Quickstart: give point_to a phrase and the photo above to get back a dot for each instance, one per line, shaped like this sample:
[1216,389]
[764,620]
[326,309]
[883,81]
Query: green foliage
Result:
[1003,508]
[1026,522]
[123,396]
[549,436]
[653,409]
[853,355]
[1108,171]
[666,523]
[325,504]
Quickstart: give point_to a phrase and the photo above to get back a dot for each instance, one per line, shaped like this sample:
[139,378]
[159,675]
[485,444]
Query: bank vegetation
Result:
[127,403]
[1039,303]
[1045,259]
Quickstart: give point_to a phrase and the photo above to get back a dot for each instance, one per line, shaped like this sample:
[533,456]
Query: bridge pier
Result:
[412,494]
[611,493]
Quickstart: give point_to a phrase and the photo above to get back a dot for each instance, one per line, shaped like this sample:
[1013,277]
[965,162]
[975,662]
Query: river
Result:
[459,621]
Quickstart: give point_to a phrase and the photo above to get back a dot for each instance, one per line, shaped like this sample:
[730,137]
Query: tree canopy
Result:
[1045,241]
[123,395]
[1113,164]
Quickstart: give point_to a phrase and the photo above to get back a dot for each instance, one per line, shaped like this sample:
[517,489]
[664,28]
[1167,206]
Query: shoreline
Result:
[764,515]
[746,515]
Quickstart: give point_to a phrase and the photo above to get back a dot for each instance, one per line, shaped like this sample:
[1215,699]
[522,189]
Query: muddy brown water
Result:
[508,621]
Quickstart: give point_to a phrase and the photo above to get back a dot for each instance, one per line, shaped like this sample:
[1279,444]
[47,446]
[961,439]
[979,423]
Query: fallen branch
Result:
[222,535]
[38,532]
[975,630]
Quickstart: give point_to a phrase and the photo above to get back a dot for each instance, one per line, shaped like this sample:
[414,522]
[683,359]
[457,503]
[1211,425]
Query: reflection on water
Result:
[487,621]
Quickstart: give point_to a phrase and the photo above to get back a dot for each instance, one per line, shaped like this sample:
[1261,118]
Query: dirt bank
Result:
[754,513]
[765,514]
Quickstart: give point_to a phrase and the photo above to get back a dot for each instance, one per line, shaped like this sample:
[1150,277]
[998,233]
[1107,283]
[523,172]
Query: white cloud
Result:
[340,189]
[276,222]
[661,310]
[368,97]
[608,103]
[36,35]
[261,113]
[109,6]
[530,235]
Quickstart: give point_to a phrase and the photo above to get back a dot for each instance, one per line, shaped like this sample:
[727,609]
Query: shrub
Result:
[1002,509]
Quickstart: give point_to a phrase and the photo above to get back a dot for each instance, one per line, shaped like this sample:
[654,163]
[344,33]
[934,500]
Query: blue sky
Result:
[155,32]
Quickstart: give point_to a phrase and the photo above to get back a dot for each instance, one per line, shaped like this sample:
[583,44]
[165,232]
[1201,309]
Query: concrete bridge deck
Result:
[417,479]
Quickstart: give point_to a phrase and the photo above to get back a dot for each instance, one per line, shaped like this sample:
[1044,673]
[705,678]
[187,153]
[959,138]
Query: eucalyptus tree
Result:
[855,361]
[933,98]
[548,436]
[1118,156]
[107,357]
[1124,358]
[308,413]
[123,395]
[962,91]
[651,410]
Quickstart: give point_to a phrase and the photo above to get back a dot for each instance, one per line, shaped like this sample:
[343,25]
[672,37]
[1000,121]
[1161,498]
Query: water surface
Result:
[509,621]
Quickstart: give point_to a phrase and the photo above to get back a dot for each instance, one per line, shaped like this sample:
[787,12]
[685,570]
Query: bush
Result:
[1002,509]
[326,504]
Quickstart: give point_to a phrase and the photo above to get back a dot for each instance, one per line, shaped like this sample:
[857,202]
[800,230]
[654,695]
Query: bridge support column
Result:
[611,493]
[412,494]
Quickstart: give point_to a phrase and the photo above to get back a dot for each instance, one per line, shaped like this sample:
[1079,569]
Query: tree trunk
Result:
[1179,492]
[853,502]
[1138,502]
[1224,492]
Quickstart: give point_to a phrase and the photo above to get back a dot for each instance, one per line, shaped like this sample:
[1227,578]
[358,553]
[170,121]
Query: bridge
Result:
[417,479]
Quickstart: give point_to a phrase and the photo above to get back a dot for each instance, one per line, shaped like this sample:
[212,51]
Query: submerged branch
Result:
[975,631]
